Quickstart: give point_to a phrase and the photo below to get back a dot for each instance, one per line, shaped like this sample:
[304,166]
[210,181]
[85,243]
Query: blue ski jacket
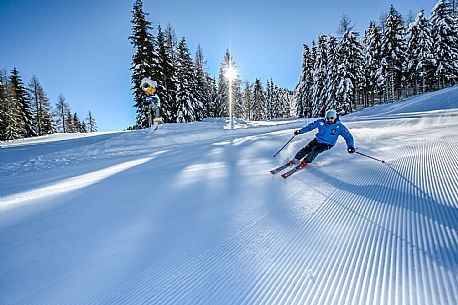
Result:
[328,133]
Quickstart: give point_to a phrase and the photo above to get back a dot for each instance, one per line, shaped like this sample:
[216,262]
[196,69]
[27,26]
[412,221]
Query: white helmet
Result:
[331,113]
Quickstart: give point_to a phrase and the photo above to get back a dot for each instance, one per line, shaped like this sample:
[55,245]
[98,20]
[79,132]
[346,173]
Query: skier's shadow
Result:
[435,213]
[414,199]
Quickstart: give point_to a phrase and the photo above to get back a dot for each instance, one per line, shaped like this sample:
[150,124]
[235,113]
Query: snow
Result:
[189,214]
[52,138]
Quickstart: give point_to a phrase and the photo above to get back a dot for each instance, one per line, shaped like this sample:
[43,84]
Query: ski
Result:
[292,171]
[279,169]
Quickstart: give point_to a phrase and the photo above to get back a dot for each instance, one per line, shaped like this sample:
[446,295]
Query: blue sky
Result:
[81,48]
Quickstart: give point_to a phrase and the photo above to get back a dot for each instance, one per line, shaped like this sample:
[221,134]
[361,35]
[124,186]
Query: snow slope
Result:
[190,215]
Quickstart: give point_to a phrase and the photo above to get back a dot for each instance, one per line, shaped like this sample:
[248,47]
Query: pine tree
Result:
[288,101]
[258,110]
[171,46]
[277,106]
[331,82]
[445,37]
[319,90]
[247,101]
[61,113]
[23,100]
[222,99]
[237,98]
[278,103]
[77,127]
[212,105]
[269,100]
[167,62]
[189,109]
[3,105]
[372,57]
[91,125]
[143,61]
[70,122]
[43,121]
[303,90]
[13,124]
[420,62]
[203,88]
[163,65]
[394,52]
[349,71]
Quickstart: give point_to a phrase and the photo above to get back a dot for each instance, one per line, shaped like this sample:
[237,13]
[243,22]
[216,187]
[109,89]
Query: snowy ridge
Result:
[190,215]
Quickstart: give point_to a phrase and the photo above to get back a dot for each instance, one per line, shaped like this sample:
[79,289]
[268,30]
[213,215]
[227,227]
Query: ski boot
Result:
[303,163]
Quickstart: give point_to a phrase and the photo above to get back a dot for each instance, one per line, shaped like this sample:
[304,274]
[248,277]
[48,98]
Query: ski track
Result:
[179,295]
[363,233]
[380,250]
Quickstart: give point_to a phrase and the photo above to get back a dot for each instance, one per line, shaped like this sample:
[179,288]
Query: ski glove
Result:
[297,132]
[351,150]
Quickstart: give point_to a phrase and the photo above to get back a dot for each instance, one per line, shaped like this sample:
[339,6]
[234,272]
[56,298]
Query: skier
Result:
[329,129]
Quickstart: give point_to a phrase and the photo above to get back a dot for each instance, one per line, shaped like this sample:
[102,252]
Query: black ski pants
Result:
[311,150]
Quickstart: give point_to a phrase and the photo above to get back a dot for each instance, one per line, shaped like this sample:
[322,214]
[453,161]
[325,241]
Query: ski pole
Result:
[369,157]
[284,146]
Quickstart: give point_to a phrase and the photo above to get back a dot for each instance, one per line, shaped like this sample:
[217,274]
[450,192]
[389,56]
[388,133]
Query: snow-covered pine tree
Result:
[319,90]
[3,105]
[213,94]
[349,71]
[332,78]
[81,124]
[302,92]
[269,100]
[143,61]
[372,57]
[420,59]
[445,37]
[34,87]
[44,123]
[164,65]
[237,98]
[14,126]
[247,101]
[167,62]
[203,89]
[212,107]
[221,102]
[91,125]
[23,100]
[287,97]
[282,104]
[278,106]
[258,111]
[189,108]
[60,113]
[77,126]
[394,53]
[70,121]
[222,99]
